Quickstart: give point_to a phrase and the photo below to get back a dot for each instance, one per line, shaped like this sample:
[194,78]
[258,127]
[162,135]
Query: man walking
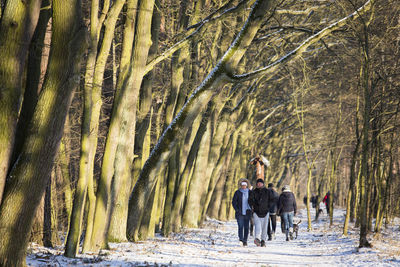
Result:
[259,201]
[273,208]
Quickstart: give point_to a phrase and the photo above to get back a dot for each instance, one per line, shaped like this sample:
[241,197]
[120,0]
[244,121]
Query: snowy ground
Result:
[217,245]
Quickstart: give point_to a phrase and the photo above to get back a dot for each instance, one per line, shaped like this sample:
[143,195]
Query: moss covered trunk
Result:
[32,171]
[17,26]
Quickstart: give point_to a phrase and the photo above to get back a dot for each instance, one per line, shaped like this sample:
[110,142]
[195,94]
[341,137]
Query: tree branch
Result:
[300,49]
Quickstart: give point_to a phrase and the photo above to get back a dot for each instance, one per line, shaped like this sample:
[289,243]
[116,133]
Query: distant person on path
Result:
[273,208]
[287,208]
[327,200]
[314,200]
[242,209]
[259,201]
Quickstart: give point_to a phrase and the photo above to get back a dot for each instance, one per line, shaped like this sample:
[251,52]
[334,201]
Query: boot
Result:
[262,243]
[257,242]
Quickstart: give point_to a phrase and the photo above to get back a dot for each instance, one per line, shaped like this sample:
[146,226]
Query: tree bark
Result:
[32,171]
[36,68]
[93,102]
[192,213]
[18,23]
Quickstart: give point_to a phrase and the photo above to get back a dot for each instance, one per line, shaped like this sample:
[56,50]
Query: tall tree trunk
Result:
[121,186]
[120,211]
[365,146]
[36,234]
[33,169]
[50,231]
[17,26]
[64,156]
[36,68]
[184,179]
[215,159]
[350,195]
[88,136]
[191,215]
[107,169]
[230,180]
[93,92]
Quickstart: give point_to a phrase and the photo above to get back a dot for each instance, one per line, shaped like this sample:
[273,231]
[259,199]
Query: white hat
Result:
[243,183]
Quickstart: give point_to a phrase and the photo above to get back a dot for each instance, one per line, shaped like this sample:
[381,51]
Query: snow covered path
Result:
[217,245]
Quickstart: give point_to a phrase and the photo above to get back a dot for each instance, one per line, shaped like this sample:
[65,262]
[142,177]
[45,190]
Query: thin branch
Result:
[198,28]
[222,11]
[300,49]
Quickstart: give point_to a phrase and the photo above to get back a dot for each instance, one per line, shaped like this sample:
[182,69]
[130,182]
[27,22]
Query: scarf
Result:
[245,198]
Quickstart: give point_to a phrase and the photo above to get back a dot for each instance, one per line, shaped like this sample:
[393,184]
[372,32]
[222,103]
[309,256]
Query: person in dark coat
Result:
[287,208]
[259,202]
[327,201]
[273,208]
[242,209]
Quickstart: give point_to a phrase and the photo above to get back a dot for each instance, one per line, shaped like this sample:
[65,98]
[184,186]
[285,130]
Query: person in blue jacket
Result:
[242,209]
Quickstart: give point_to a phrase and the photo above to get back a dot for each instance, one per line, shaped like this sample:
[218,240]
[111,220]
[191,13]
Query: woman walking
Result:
[287,208]
[242,209]
[259,200]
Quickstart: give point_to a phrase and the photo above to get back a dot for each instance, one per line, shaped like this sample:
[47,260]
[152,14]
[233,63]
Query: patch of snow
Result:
[217,244]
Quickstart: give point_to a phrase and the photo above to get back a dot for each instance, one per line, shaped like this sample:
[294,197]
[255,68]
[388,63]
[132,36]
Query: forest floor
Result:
[216,244]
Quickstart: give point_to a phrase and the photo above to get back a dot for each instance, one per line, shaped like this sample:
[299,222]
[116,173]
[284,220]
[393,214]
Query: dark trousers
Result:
[243,225]
[271,224]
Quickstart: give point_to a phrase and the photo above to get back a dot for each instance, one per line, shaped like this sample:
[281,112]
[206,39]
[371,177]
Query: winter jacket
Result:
[259,200]
[327,198]
[273,203]
[237,203]
[287,202]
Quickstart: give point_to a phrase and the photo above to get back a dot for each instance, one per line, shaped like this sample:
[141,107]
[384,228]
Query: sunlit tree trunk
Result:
[93,85]
[35,70]
[230,181]
[17,25]
[124,156]
[198,182]
[88,135]
[142,149]
[216,196]
[29,177]
[215,159]
[186,175]
[107,169]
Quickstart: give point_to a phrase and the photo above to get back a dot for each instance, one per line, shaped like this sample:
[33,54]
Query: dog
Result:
[296,228]
[320,211]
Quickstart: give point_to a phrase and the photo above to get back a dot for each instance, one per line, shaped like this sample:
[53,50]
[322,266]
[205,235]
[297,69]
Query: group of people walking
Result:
[261,206]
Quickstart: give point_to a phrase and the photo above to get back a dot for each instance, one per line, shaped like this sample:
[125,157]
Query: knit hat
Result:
[270,185]
[286,188]
[243,180]
[260,181]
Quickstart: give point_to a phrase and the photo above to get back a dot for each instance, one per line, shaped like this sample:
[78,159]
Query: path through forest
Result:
[217,245]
